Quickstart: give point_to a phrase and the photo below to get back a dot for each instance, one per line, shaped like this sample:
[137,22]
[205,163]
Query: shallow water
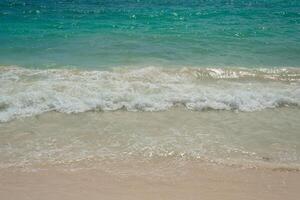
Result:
[171,139]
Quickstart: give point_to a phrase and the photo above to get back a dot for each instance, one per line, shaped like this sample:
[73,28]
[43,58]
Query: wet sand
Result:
[214,182]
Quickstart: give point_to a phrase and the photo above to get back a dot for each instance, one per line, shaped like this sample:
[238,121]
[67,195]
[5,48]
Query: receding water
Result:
[269,139]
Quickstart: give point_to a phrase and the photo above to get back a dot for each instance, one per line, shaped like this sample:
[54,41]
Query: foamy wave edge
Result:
[28,92]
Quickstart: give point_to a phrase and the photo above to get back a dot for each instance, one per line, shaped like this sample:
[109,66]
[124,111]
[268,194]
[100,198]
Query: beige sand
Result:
[210,182]
[36,143]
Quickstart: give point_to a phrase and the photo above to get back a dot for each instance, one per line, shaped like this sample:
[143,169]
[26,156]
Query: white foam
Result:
[25,92]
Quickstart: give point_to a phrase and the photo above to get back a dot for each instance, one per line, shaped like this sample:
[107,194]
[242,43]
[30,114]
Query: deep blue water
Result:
[107,33]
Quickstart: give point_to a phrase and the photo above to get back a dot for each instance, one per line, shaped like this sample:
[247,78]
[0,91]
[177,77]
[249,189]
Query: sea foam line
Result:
[26,92]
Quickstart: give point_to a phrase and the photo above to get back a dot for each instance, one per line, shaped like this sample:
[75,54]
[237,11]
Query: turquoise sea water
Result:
[224,77]
[100,34]
[82,55]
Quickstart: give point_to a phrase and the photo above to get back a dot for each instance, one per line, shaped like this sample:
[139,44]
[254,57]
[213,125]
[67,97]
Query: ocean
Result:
[86,83]
[100,34]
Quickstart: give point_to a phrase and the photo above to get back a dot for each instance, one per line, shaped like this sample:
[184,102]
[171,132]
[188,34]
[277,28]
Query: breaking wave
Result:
[28,92]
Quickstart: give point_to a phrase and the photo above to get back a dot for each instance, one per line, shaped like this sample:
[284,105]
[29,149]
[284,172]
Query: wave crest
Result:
[27,92]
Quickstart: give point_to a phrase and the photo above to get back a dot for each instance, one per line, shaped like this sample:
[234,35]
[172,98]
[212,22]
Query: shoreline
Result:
[243,139]
[151,155]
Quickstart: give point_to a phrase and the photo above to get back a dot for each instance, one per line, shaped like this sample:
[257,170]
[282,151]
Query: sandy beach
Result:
[201,182]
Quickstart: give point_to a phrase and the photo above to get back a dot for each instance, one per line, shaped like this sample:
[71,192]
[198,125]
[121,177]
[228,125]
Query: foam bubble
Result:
[27,92]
